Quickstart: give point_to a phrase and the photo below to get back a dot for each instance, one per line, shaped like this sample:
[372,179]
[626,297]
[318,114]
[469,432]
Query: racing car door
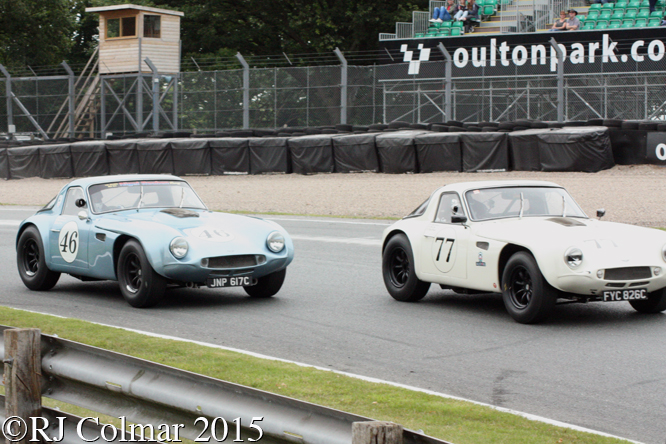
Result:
[68,237]
[446,239]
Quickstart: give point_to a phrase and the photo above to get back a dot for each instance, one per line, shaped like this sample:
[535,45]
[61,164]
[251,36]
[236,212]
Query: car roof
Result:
[461,187]
[87,181]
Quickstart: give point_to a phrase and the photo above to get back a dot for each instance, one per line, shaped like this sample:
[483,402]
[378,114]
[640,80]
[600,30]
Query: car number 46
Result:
[68,241]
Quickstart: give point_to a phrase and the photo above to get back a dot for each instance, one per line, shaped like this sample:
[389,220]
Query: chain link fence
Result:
[211,101]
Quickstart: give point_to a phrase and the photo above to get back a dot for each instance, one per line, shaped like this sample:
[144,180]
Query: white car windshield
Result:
[498,203]
[116,196]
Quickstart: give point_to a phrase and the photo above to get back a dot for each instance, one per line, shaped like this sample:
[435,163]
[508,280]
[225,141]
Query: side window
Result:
[70,208]
[449,205]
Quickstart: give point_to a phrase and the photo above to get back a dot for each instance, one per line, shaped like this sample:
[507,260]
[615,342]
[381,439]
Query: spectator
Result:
[440,14]
[461,10]
[561,23]
[451,7]
[471,16]
[663,21]
[653,5]
[601,1]
[573,23]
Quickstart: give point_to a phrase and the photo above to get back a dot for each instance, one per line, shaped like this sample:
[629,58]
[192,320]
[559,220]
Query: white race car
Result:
[528,240]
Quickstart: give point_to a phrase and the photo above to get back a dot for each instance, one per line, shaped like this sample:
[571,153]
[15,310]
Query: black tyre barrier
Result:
[89,158]
[629,125]
[576,123]
[647,126]
[355,153]
[311,154]
[122,156]
[394,151]
[418,126]
[398,125]
[397,152]
[586,149]
[524,149]
[507,125]
[474,129]
[555,125]
[191,156]
[344,127]
[55,161]
[269,155]
[4,164]
[439,128]
[454,123]
[612,122]
[629,146]
[229,156]
[595,122]
[661,127]
[484,151]
[378,127]
[155,156]
[438,152]
[537,124]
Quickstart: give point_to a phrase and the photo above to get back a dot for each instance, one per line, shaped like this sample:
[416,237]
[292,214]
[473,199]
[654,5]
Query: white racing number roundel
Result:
[444,250]
[68,241]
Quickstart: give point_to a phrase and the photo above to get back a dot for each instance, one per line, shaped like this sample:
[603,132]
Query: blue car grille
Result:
[627,273]
[238,261]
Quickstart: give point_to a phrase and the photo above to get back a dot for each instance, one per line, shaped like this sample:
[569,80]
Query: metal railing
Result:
[145,392]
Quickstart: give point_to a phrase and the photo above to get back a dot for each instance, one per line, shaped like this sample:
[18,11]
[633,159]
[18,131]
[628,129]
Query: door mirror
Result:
[83,215]
[600,213]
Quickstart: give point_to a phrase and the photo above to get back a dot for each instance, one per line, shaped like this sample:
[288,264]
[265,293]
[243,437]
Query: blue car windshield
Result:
[498,203]
[116,196]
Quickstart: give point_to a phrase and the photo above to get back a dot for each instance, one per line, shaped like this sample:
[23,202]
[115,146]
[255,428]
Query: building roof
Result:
[101,9]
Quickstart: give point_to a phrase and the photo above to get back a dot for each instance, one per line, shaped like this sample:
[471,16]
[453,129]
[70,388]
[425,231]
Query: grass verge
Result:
[452,420]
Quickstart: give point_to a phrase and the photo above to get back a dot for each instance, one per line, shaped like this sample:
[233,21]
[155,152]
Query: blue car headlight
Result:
[275,242]
[179,247]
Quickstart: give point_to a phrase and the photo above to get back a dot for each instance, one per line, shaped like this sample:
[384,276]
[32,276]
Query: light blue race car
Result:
[147,232]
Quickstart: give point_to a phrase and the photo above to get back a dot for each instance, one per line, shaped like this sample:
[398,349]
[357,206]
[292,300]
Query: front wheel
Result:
[527,296]
[139,284]
[267,286]
[31,261]
[655,303]
[399,271]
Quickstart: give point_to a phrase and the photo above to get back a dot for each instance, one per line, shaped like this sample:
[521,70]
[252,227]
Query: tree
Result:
[35,32]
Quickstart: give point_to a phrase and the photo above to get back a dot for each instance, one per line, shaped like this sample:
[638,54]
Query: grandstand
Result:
[523,16]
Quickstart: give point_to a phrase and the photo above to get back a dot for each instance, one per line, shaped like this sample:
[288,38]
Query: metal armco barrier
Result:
[146,393]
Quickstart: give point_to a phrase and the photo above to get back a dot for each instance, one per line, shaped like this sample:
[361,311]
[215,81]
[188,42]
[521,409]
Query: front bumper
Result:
[194,271]
[587,283]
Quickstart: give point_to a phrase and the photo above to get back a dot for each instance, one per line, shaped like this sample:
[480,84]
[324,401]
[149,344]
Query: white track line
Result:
[363,378]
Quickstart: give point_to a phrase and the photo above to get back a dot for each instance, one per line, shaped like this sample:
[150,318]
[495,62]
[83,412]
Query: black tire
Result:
[31,261]
[527,296]
[268,285]
[139,284]
[655,303]
[399,273]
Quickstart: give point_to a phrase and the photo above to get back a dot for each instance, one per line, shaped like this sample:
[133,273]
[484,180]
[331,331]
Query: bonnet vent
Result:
[180,212]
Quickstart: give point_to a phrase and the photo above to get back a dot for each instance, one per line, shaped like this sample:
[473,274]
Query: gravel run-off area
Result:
[633,194]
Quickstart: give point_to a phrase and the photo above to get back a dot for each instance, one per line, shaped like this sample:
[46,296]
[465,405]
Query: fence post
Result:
[70,91]
[447,81]
[376,432]
[343,86]
[22,377]
[246,90]
[560,79]
[8,93]
[156,95]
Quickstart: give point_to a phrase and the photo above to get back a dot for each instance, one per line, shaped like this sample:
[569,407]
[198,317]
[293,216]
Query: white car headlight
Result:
[179,247]
[573,257]
[663,252]
[275,242]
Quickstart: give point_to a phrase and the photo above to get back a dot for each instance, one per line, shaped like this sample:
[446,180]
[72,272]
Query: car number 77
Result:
[445,241]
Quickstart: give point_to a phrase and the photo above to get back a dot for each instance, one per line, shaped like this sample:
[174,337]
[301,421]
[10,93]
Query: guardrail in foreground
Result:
[172,403]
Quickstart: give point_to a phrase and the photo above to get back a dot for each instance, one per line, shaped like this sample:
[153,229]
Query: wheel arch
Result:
[117,247]
[391,235]
[508,251]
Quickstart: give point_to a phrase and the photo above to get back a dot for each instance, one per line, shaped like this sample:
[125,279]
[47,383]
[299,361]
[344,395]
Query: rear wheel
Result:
[139,284]
[527,296]
[399,271]
[31,261]
[655,303]
[267,286]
